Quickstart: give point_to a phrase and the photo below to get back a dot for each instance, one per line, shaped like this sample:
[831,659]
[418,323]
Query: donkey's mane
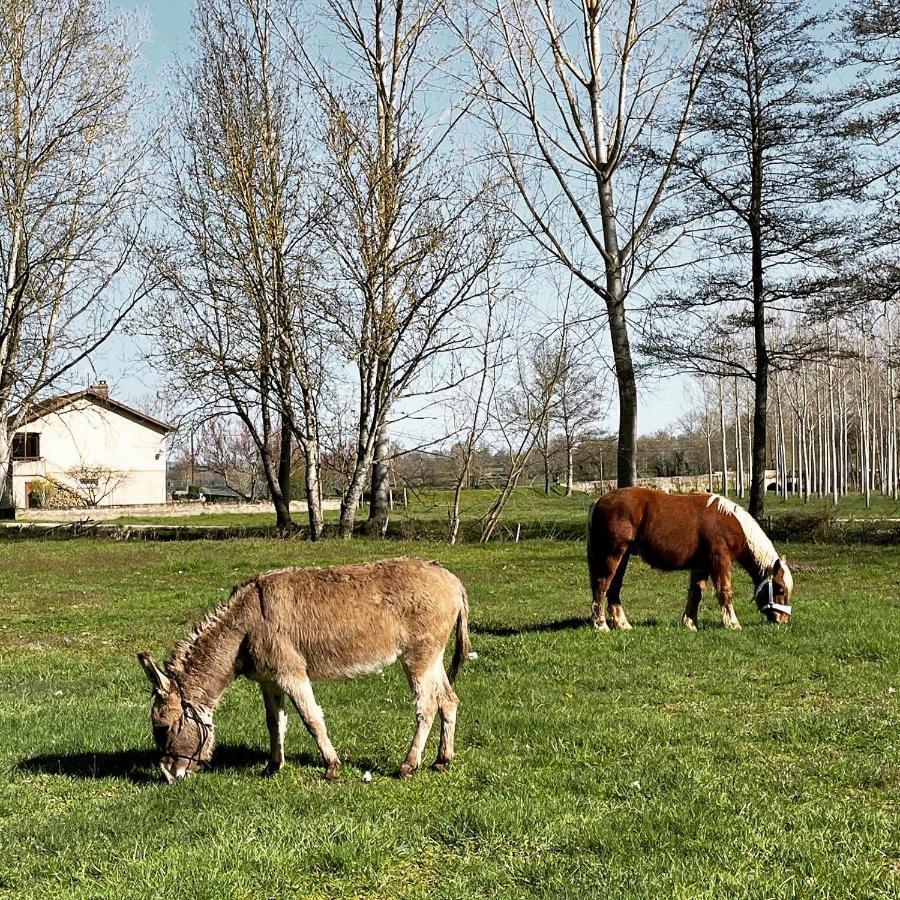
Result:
[761,548]
[204,628]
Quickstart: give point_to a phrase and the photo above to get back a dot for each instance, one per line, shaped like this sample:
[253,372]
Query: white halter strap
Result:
[770,600]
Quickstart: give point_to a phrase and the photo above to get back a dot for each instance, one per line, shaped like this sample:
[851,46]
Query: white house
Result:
[86,449]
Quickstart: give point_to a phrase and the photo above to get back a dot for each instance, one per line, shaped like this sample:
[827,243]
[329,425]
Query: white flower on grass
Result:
[636,784]
[473,655]
[367,777]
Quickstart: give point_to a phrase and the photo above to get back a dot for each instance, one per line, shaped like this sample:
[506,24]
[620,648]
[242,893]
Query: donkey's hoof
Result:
[440,765]
[271,769]
[332,774]
[406,771]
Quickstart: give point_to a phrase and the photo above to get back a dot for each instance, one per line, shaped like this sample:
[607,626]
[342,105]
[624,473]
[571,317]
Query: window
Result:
[26,445]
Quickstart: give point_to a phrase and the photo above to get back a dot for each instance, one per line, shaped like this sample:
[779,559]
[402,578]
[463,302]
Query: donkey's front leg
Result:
[722,581]
[276,722]
[300,691]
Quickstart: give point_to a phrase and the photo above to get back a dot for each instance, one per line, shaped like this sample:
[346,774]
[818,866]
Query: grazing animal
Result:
[702,533]
[288,628]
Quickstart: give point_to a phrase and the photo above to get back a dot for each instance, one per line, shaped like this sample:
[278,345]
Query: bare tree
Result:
[228,449]
[411,229]
[236,316]
[476,406]
[72,199]
[573,95]
[91,485]
[757,176]
[519,416]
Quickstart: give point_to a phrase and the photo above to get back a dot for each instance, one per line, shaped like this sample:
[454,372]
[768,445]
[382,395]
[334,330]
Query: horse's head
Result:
[773,593]
[182,730]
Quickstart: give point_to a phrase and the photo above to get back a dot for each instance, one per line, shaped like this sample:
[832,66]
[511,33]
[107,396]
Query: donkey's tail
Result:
[461,651]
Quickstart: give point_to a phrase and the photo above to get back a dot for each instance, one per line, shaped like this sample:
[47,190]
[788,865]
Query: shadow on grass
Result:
[533,628]
[142,766]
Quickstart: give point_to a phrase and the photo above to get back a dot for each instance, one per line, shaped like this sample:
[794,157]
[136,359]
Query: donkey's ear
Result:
[158,678]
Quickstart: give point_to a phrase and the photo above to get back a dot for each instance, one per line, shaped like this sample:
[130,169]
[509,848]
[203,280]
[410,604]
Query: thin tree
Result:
[758,172]
[233,316]
[412,229]
[72,197]
[573,94]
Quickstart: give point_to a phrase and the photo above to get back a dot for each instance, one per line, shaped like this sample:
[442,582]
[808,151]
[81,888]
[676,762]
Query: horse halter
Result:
[766,603]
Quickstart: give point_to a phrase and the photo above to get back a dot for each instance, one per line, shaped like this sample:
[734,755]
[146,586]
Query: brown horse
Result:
[288,628]
[702,533]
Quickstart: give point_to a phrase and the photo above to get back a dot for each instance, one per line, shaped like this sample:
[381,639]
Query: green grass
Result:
[653,763]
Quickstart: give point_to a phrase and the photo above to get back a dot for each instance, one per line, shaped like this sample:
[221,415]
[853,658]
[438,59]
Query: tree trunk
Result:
[570,467]
[313,489]
[724,440]
[626,453]
[380,505]
[760,383]
[282,498]
[7,503]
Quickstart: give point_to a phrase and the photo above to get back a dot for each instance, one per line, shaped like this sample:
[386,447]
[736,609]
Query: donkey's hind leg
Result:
[614,610]
[300,691]
[426,687]
[695,594]
[447,705]
[276,722]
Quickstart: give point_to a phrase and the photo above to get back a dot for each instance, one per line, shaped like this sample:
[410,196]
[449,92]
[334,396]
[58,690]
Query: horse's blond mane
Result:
[761,548]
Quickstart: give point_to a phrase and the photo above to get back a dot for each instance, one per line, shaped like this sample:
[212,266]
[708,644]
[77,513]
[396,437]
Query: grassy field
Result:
[654,763]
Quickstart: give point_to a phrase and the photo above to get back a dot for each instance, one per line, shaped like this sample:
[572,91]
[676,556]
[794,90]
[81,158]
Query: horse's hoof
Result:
[271,769]
[332,774]
[689,624]
[406,771]
[440,766]
[601,626]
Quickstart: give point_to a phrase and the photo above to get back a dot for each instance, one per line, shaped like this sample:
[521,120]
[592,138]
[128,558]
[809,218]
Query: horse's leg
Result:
[722,582]
[425,682]
[614,610]
[299,689]
[447,705]
[695,594]
[602,572]
[276,722]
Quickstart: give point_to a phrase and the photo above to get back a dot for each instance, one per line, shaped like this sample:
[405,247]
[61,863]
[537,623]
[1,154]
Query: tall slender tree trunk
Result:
[626,453]
[760,381]
[724,440]
[380,504]
[282,498]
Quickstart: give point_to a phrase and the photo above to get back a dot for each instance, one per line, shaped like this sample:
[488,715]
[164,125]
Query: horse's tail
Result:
[461,650]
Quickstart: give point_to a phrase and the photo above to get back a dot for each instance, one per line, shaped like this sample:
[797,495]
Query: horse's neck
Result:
[211,665]
[752,567]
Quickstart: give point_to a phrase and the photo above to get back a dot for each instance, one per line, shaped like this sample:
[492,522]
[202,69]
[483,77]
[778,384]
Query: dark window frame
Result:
[26,445]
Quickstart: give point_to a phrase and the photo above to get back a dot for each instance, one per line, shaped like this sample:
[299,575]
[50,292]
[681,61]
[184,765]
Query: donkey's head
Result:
[773,593]
[182,730]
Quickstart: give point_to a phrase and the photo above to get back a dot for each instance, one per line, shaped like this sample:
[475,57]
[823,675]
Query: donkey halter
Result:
[190,712]
[768,602]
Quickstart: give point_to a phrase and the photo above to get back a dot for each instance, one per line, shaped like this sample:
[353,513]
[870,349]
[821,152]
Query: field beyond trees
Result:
[763,763]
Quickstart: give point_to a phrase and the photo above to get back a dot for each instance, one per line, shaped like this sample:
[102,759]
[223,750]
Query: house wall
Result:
[131,456]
